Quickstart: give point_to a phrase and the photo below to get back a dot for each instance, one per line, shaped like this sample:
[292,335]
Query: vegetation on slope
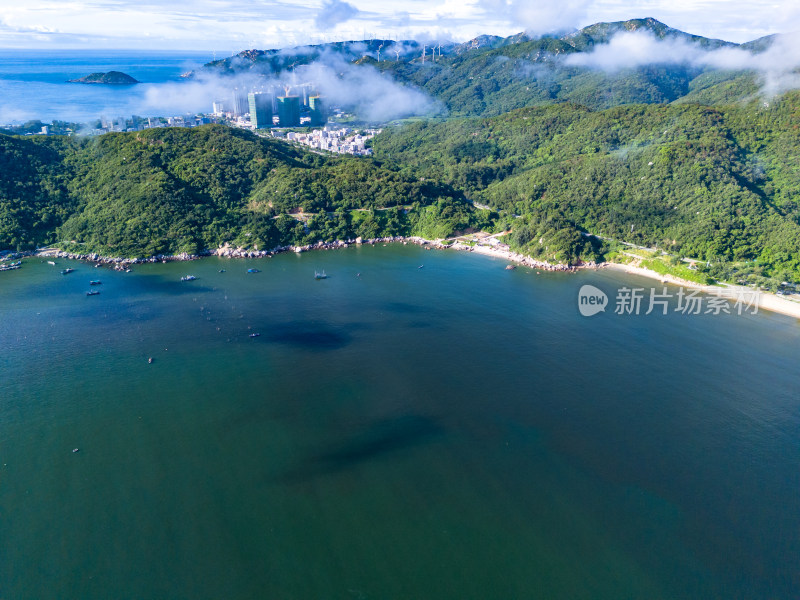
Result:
[720,184]
[170,190]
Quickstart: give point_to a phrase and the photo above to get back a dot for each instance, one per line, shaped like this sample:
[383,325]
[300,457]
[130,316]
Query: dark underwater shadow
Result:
[378,440]
[404,308]
[308,335]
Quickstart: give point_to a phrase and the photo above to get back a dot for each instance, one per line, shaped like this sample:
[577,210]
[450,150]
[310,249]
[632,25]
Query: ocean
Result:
[33,85]
[452,431]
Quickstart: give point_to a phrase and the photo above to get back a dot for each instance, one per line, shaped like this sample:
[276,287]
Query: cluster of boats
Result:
[11,266]
[16,265]
[94,292]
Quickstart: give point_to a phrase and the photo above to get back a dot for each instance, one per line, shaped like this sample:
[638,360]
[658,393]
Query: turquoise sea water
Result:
[33,84]
[455,431]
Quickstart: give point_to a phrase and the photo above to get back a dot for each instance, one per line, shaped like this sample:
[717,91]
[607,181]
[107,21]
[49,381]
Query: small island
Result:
[110,78]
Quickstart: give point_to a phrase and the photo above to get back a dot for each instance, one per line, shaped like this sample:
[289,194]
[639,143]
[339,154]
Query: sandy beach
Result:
[503,253]
[766,300]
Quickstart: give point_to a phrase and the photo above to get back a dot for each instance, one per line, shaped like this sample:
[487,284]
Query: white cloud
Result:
[540,16]
[334,12]
[370,93]
[635,49]
[363,90]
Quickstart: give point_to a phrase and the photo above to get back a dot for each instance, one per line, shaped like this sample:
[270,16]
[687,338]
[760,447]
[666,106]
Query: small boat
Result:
[50,262]
[318,275]
[98,265]
[188,278]
[222,270]
[65,271]
[150,361]
[419,267]
[92,293]
[510,267]
[253,271]
[255,334]
[95,282]
[76,449]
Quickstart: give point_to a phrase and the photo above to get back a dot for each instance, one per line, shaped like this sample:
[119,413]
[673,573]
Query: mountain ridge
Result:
[490,74]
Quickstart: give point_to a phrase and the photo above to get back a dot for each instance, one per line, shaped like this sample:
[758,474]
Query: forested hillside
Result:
[184,190]
[720,183]
[34,198]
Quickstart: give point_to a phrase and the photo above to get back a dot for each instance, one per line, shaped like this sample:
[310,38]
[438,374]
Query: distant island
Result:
[110,78]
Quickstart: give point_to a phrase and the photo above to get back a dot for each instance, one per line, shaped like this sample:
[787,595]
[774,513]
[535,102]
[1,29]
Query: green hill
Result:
[165,191]
[715,183]
[532,72]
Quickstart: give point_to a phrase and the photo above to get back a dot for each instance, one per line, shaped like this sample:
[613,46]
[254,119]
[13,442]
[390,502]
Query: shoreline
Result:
[766,300]
[228,251]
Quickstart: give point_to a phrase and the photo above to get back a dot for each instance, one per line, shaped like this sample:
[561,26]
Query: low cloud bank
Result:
[777,66]
[363,90]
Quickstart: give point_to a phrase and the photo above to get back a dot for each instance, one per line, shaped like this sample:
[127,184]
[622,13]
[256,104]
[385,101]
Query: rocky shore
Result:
[502,253]
[228,251]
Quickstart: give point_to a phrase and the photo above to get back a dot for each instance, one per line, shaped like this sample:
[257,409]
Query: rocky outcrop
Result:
[110,78]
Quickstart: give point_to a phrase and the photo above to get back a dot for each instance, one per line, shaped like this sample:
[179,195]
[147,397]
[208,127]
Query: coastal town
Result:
[341,140]
[300,116]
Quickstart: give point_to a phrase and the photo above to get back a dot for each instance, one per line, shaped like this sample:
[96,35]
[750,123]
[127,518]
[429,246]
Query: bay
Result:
[451,431]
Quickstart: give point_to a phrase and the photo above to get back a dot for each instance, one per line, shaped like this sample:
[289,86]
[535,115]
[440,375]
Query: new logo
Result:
[591,300]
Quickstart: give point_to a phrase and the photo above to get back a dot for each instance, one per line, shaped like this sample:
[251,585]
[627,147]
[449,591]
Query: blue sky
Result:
[232,25]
